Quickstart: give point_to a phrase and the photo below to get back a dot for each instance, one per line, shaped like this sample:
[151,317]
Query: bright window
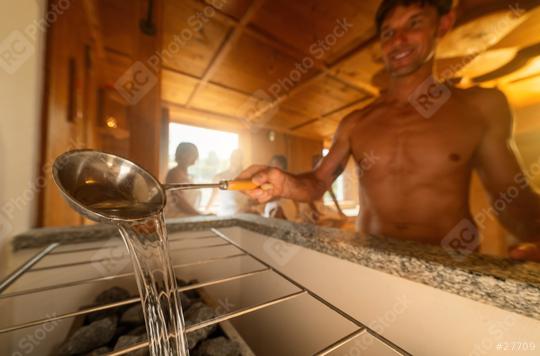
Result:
[337,186]
[215,148]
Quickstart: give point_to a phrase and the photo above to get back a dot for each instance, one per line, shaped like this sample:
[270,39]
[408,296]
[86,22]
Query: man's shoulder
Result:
[357,115]
[483,98]
[490,102]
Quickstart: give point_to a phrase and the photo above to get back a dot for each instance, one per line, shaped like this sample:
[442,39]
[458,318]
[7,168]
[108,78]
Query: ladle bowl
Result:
[107,188]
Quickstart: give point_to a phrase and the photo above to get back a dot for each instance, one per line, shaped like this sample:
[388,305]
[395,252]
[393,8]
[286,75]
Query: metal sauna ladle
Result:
[107,188]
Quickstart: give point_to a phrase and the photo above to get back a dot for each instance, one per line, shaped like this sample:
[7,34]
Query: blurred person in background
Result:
[182,202]
[316,212]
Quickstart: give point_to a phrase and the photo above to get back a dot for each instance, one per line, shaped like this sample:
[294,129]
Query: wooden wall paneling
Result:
[113,139]
[114,66]
[120,23]
[90,93]
[190,38]
[197,117]
[64,127]
[144,115]
[301,153]
[94,24]
[286,118]
[262,149]
[318,128]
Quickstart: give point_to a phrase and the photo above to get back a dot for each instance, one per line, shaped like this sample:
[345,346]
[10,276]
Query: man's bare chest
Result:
[400,140]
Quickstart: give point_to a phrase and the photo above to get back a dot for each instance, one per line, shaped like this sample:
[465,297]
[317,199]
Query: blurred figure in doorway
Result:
[316,212]
[230,202]
[182,203]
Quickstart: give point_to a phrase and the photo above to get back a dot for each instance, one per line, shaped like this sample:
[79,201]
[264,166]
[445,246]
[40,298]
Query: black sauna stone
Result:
[90,337]
[129,340]
[197,313]
[218,346]
[133,316]
[101,351]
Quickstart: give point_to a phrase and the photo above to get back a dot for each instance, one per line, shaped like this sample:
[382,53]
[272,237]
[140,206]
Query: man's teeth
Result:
[402,54]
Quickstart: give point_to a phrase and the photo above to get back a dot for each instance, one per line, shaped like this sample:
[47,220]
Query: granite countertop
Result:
[504,283]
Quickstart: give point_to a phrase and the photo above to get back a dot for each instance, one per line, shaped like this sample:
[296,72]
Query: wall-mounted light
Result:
[271,135]
[111,122]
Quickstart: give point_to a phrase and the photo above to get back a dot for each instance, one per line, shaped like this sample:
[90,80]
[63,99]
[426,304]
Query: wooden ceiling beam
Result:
[370,89]
[286,48]
[226,47]
[195,116]
[330,113]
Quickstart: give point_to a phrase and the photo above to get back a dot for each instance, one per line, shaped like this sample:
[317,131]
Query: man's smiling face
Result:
[408,38]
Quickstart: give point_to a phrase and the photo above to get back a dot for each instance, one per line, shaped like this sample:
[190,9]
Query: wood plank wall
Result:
[69,106]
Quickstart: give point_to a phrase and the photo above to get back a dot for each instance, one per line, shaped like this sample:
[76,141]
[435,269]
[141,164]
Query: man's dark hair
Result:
[183,149]
[443,7]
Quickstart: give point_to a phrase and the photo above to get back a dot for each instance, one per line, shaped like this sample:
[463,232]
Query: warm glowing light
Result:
[111,122]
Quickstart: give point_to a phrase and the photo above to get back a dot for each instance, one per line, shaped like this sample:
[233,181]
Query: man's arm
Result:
[501,172]
[307,186]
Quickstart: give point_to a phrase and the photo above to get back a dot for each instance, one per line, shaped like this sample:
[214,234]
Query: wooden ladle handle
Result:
[246,185]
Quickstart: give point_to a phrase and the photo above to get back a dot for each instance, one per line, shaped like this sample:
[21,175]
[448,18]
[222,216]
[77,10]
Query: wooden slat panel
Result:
[115,66]
[303,23]
[203,119]
[176,87]
[217,99]
[526,34]
[233,8]
[362,66]
[286,119]
[322,97]
[119,24]
[523,93]
[252,65]
[189,40]
[319,128]
[340,114]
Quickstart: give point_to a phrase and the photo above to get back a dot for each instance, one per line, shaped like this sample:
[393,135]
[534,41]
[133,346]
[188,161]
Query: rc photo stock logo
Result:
[136,82]
[462,240]
[280,251]
[15,50]
[428,98]
[111,258]
[257,108]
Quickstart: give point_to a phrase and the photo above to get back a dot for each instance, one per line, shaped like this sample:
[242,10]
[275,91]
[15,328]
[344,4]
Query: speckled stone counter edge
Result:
[507,284]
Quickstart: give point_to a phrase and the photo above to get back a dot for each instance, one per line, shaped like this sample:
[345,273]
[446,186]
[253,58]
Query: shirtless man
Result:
[417,187]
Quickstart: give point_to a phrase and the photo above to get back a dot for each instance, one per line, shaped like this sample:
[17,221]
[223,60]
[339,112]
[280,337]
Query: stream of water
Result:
[146,240]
